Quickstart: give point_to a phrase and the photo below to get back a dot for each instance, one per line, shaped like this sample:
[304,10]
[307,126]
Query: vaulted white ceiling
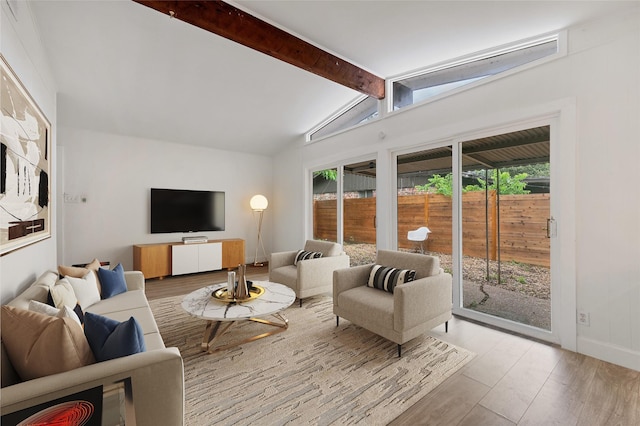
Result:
[123,68]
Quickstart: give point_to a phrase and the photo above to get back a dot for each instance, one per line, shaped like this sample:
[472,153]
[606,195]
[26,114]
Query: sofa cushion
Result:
[123,302]
[110,339]
[39,345]
[153,341]
[43,308]
[143,316]
[387,278]
[112,281]
[77,272]
[304,255]
[368,306]
[85,289]
[287,275]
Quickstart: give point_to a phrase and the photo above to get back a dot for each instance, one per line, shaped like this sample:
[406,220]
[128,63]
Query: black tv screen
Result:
[180,210]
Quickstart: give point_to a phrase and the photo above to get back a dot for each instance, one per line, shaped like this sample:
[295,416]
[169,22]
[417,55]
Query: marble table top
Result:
[276,298]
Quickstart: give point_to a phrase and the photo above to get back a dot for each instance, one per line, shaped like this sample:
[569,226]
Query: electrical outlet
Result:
[584,318]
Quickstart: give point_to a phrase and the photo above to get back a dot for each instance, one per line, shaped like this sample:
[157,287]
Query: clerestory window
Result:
[416,88]
[360,111]
[426,84]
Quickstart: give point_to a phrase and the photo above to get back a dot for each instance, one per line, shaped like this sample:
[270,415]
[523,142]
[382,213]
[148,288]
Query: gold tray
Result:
[222,295]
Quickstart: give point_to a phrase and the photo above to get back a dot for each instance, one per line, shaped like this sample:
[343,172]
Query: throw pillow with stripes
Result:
[304,255]
[387,278]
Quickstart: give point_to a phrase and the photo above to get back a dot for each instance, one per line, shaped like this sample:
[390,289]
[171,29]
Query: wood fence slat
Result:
[522,228]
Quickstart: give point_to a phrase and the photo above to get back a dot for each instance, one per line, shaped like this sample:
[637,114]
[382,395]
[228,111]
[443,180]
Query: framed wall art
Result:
[25,166]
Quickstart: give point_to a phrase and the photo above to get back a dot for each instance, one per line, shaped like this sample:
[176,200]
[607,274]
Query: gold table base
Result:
[216,329]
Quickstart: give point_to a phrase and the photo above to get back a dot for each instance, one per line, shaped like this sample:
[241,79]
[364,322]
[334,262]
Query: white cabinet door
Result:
[210,257]
[184,259]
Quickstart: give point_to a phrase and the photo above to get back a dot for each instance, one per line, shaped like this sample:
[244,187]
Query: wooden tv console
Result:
[165,259]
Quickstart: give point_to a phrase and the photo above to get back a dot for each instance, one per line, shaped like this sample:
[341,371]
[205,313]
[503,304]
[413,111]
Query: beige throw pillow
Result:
[62,294]
[40,345]
[76,272]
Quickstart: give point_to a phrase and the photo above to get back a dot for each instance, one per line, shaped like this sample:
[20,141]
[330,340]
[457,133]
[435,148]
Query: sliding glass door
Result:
[325,205]
[506,225]
[425,203]
[489,221]
[359,207]
[344,208]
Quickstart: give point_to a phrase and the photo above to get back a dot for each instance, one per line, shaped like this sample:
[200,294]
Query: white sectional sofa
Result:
[155,377]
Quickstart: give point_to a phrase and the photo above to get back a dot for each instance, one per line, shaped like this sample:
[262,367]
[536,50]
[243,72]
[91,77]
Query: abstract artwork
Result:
[80,409]
[25,166]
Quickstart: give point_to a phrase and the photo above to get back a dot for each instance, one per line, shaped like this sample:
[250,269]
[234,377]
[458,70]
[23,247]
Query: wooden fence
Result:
[521,219]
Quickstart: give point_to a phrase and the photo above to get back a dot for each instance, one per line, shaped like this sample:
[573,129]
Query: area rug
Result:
[312,373]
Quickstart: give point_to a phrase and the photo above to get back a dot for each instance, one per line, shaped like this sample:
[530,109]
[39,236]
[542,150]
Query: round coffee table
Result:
[222,315]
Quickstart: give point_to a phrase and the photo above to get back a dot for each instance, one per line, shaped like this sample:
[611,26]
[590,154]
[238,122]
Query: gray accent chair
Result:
[411,310]
[312,276]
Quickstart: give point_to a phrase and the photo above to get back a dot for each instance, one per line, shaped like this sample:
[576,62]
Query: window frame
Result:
[559,37]
[385,106]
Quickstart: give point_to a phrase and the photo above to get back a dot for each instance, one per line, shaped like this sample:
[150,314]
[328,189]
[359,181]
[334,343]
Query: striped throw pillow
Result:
[387,278]
[304,255]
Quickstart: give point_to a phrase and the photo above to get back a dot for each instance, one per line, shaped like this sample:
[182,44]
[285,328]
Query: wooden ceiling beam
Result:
[234,24]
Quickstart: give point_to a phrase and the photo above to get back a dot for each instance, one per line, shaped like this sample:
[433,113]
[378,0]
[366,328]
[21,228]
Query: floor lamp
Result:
[259,204]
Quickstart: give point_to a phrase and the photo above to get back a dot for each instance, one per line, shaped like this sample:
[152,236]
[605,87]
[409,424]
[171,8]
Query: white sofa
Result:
[156,375]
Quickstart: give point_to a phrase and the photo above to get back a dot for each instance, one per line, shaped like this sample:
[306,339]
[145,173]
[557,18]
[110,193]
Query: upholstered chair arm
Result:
[319,272]
[282,258]
[345,279]
[157,378]
[418,301]
[134,280]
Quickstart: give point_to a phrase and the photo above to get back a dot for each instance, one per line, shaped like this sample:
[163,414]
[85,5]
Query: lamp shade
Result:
[259,202]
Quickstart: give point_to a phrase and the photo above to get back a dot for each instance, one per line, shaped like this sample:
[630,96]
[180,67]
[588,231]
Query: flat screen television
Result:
[181,210]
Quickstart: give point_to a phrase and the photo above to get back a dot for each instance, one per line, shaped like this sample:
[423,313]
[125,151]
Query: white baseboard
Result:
[610,353]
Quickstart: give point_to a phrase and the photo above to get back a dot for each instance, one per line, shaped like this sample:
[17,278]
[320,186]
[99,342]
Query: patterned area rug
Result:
[312,373]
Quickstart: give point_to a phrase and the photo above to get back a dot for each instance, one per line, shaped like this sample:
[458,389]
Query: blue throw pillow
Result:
[112,282]
[109,339]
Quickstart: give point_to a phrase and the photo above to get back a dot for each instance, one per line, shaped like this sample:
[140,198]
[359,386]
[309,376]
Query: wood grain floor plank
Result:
[561,399]
[491,367]
[481,416]
[613,397]
[513,394]
[474,338]
[448,404]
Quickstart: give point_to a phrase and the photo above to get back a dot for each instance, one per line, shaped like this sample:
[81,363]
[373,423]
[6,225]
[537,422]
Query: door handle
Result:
[551,228]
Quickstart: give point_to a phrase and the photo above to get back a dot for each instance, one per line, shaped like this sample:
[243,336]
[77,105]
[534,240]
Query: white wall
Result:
[288,185]
[115,174]
[20,45]
[600,77]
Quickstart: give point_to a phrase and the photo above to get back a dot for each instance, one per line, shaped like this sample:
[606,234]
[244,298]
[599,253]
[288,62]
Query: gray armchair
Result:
[411,310]
[309,277]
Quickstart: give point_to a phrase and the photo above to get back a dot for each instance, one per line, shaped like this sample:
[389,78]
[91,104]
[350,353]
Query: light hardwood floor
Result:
[511,381]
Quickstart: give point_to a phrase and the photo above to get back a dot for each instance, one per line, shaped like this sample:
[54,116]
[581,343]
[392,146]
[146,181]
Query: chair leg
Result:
[300,302]
[337,321]
[399,351]
[446,326]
